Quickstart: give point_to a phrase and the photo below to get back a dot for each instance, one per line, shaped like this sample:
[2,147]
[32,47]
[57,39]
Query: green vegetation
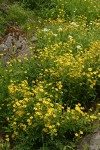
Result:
[65,8]
[2,22]
[48,101]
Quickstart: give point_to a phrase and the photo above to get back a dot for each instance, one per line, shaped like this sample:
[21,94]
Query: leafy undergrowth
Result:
[52,99]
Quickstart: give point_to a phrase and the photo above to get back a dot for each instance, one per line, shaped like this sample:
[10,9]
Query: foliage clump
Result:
[50,98]
[65,8]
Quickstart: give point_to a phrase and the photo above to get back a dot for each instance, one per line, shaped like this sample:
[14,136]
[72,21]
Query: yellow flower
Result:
[19,60]
[98,104]
[31,117]
[90,109]
[81,132]
[28,120]
[91,86]
[58,124]
[89,69]
[76,134]
[93,117]
[79,104]
[45,130]
[14,123]
[29,123]
[7,139]
[1,54]
[7,136]
[8,62]
[94,72]
[68,109]
[54,130]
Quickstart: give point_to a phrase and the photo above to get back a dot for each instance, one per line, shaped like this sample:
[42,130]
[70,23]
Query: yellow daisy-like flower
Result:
[7,139]
[76,134]
[89,69]
[81,132]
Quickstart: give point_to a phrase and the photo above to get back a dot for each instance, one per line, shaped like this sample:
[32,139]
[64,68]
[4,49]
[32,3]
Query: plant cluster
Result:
[50,98]
[37,112]
[3,22]
[65,8]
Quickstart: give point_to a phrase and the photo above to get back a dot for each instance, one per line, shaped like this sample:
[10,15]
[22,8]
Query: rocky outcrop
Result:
[91,141]
[14,44]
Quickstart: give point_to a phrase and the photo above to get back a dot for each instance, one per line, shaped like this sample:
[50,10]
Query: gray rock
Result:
[91,141]
[16,45]
[9,42]
[95,141]
[21,39]
[2,48]
[33,39]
